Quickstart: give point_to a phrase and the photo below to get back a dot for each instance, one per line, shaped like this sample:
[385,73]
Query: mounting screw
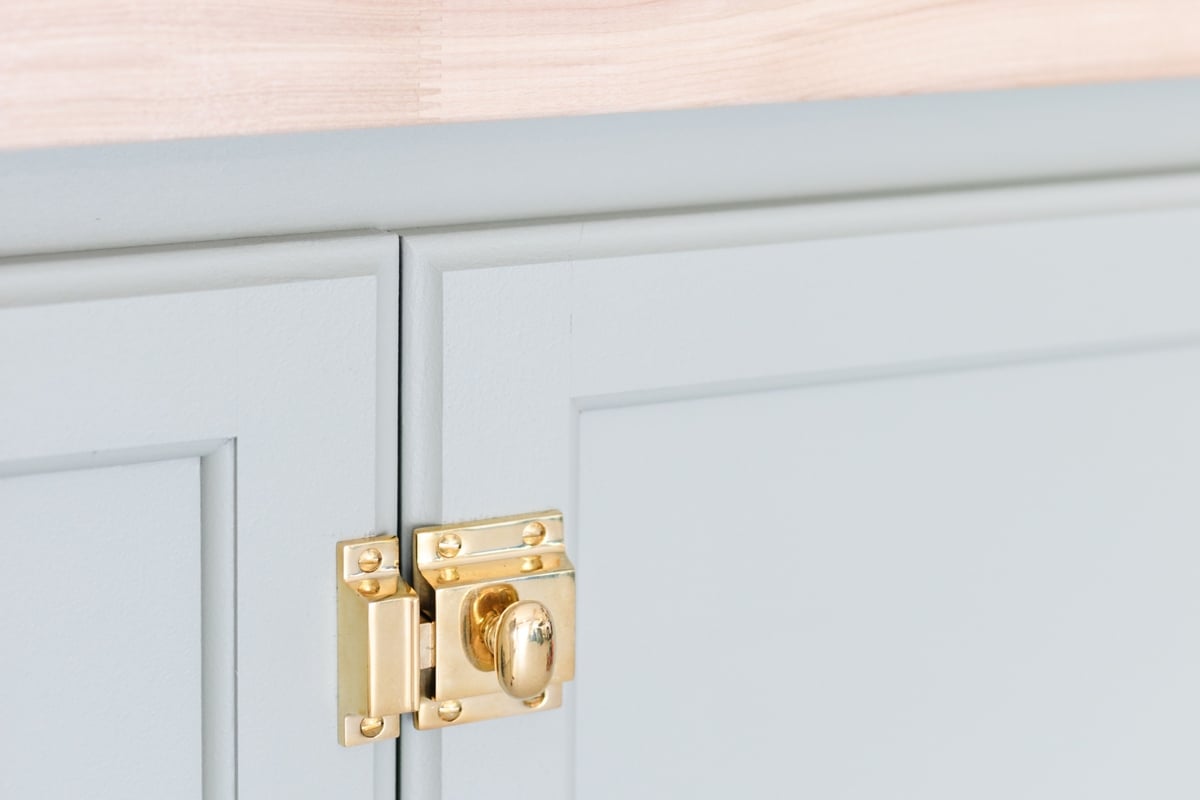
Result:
[449,545]
[368,588]
[370,560]
[371,727]
[449,710]
[534,533]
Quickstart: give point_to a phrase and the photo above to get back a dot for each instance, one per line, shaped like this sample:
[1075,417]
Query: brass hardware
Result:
[522,639]
[449,545]
[370,559]
[449,710]
[485,606]
[516,566]
[511,637]
[490,636]
[534,533]
[378,624]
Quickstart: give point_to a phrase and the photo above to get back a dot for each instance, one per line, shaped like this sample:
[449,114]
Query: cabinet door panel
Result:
[103,635]
[201,451]
[880,498]
[972,584]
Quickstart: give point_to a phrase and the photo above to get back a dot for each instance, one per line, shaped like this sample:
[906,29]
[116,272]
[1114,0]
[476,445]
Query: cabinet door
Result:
[863,504]
[175,466]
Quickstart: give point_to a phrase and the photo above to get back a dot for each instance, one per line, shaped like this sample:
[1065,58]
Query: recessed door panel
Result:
[102,631]
[969,584]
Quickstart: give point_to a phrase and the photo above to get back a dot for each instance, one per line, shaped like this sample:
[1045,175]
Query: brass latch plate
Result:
[460,571]
[488,632]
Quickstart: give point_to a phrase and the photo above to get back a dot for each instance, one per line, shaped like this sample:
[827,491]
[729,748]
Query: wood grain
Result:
[86,71]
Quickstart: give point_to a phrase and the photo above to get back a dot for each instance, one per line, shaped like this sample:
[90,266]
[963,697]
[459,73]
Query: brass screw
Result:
[534,533]
[449,710]
[369,587]
[449,545]
[370,560]
[371,727]
[535,702]
[531,563]
[448,575]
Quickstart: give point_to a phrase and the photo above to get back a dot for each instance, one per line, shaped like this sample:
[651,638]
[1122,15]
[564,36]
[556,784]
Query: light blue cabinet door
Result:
[179,451]
[881,499]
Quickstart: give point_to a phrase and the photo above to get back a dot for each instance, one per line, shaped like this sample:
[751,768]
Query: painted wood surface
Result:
[81,71]
[754,350]
[85,198]
[186,458]
[973,582]
[104,668]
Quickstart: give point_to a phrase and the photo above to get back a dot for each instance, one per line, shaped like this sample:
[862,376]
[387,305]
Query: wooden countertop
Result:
[89,71]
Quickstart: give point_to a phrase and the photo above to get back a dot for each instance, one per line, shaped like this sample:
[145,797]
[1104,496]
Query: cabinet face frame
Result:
[523,387]
[234,355]
[66,200]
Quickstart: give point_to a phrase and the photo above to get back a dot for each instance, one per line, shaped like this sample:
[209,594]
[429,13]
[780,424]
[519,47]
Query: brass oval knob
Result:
[522,640]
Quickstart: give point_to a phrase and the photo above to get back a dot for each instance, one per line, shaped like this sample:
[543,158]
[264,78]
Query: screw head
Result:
[449,545]
[448,575]
[531,563]
[370,560]
[368,588]
[450,710]
[371,727]
[534,533]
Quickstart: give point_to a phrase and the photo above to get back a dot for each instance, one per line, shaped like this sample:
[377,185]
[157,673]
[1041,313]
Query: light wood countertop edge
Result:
[81,72]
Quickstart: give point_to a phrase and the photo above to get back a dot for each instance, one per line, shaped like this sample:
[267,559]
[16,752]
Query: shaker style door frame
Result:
[275,364]
[509,334]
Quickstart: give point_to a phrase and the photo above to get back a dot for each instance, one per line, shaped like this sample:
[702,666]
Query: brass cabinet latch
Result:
[489,630]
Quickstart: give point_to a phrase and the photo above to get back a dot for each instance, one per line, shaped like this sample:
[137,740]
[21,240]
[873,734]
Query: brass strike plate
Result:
[489,631]
[378,629]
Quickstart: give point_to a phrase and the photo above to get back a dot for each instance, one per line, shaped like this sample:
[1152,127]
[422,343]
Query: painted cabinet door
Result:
[181,445]
[881,499]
